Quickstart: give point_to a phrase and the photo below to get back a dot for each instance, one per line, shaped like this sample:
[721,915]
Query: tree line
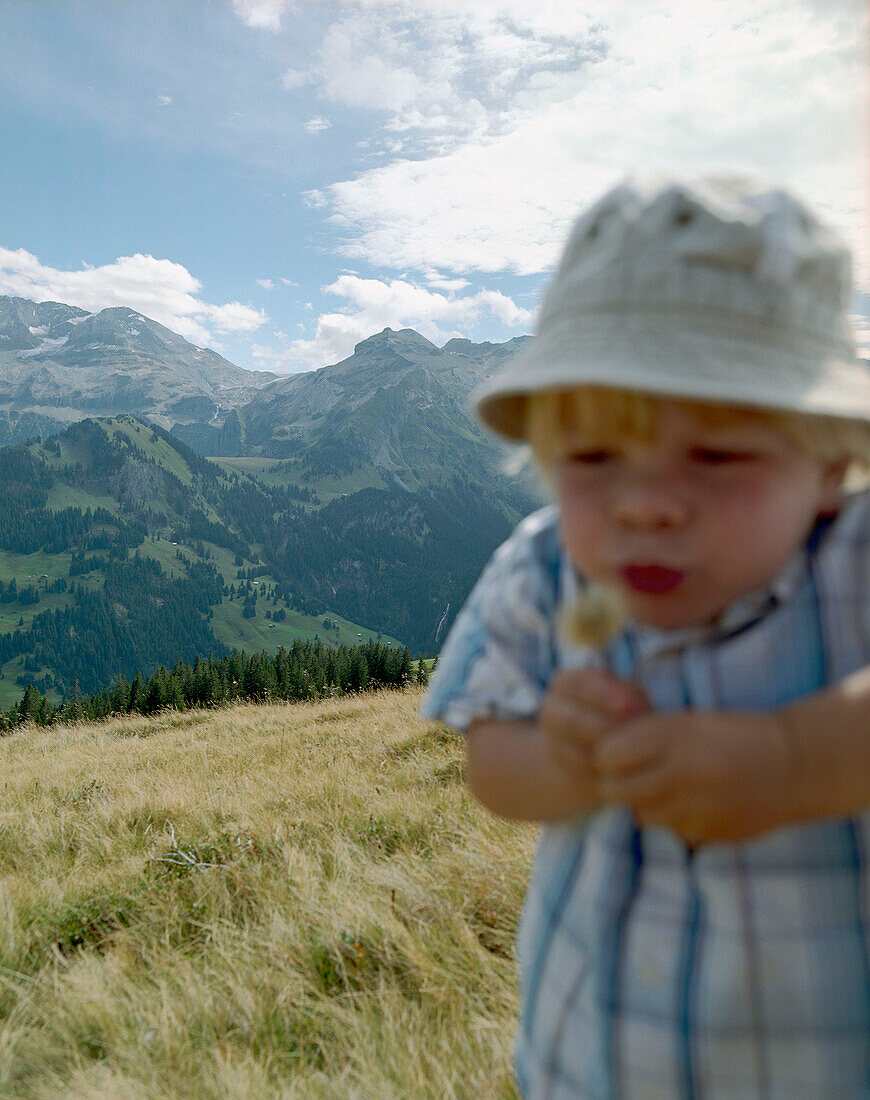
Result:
[306,670]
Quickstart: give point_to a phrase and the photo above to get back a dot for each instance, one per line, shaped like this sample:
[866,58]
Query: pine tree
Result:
[137,694]
[73,707]
[120,696]
[29,707]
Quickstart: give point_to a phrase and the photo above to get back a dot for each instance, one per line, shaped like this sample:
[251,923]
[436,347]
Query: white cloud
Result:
[164,100]
[262,14]
[266,284]
[440,282]
[445,74]
[356,74]
[316,125]
[503,308]
[266,356]
[288,282]
[517,117]
[315,200]
[233,317]
[375,304]
[160,289]
[294,78]
[448,213]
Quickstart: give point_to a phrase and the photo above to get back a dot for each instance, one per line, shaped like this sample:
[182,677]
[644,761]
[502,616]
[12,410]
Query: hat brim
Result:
[680,361]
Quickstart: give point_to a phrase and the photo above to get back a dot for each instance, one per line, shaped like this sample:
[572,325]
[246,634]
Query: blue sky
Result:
[278,180]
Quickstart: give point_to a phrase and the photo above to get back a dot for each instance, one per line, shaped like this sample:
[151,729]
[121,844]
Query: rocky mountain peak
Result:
[60,363]
[403,340]
[25,325]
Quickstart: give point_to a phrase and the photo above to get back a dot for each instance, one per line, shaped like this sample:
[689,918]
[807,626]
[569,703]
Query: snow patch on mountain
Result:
[49,344]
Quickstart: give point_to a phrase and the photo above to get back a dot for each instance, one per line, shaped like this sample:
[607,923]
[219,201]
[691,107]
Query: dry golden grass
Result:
[268,901]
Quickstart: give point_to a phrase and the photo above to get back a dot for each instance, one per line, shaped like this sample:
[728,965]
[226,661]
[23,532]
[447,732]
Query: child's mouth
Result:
[655,579]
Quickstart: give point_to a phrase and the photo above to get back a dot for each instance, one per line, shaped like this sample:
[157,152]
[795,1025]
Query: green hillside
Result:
[121,550]
[288,471]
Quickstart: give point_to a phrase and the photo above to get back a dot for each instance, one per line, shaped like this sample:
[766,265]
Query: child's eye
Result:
[590,458]
[711,456]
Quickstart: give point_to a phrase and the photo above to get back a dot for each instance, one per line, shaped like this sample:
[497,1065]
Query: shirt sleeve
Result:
[500,652]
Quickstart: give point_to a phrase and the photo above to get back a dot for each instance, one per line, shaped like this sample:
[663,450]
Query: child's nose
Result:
[650,501]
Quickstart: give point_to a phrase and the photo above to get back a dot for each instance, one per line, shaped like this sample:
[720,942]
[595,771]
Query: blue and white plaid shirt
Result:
[647,970]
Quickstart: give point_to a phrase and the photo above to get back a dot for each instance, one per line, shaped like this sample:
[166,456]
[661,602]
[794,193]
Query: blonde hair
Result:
[553,417]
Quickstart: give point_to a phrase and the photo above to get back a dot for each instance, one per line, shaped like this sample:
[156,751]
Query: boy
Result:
[698,916]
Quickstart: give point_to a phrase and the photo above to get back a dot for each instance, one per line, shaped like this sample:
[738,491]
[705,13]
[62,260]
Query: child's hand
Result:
[708,776]
[580,706]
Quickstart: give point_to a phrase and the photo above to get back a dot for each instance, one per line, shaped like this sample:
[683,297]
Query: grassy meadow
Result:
[263,901]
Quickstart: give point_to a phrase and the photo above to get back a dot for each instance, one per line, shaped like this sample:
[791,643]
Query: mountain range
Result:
[393,413]
[356,501]
[59,363]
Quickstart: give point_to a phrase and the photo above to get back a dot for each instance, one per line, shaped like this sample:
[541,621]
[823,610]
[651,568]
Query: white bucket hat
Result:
[719,290]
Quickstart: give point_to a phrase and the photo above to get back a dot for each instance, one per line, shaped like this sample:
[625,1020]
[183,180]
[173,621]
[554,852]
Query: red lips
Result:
[656,579]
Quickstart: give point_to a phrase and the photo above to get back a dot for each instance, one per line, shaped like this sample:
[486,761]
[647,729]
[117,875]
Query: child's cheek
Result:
[746,488]
[583,517]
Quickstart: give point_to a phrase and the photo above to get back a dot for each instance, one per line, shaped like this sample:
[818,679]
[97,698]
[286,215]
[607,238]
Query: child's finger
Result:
[627,749]
[619,699]
[568,720]
[570,755]
[644,790]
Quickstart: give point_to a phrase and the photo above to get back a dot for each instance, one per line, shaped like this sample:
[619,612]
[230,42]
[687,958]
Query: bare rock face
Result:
[61,363]
[26,325]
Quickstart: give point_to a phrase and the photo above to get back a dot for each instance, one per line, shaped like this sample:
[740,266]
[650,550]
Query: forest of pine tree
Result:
[305,670]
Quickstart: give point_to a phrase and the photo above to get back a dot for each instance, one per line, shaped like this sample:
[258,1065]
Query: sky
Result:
[280,179]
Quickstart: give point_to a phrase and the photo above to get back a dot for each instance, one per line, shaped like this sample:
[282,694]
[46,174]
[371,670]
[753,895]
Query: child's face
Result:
[686,522]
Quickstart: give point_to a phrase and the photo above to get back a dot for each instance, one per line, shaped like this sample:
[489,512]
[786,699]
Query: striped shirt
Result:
[647,970]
